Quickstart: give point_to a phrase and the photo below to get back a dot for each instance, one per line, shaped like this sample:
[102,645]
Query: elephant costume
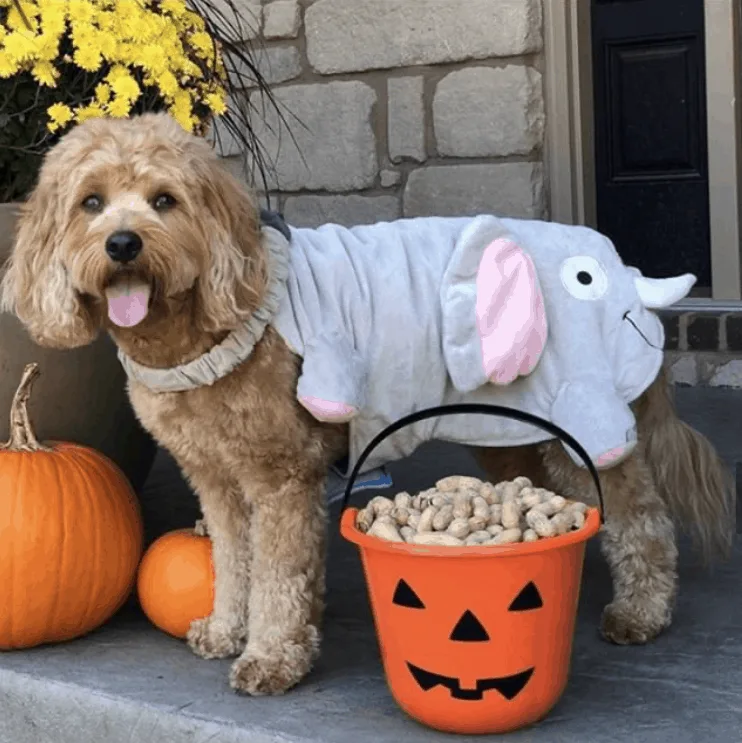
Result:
[399,316]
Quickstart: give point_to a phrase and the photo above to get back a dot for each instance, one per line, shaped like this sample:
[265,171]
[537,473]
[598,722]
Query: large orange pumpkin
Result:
[70,535]
[176,580]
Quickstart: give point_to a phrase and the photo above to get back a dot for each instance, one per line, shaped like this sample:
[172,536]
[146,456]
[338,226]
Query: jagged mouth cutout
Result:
[470,629]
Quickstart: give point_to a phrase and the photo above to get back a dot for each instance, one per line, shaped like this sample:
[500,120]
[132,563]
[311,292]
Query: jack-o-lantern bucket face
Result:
[475,639]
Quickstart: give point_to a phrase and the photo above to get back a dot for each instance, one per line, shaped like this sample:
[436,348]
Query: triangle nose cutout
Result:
[469,629]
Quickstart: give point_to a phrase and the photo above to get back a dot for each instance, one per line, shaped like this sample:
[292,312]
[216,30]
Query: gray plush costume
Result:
[396,317]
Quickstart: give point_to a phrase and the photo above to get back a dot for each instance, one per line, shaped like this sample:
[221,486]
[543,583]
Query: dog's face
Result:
[133,219]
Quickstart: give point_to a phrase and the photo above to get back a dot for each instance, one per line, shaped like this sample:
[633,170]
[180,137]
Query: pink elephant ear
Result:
[511,318]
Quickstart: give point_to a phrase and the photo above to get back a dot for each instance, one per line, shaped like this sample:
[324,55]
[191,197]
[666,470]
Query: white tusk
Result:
[658,293]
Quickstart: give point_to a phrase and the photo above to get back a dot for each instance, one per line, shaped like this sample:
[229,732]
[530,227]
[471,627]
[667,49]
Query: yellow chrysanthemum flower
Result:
[91,111]
[45,73]
[7,66]
[102,93]
[119,107]
[60,114]
[123,84]
[217,102]
[82,11]
[20,46]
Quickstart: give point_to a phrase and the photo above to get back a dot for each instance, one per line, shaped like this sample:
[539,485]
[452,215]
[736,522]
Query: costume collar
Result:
[237,346]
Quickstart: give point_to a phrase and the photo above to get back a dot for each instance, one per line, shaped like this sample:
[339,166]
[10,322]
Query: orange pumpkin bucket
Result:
[475,639]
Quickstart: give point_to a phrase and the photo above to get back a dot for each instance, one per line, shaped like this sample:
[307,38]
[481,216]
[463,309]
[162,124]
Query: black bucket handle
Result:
[474,407]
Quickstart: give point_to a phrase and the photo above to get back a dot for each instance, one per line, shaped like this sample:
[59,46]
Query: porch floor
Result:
[129,682]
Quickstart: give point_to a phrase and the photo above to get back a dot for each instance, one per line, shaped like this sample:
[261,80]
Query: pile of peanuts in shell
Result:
[464,511]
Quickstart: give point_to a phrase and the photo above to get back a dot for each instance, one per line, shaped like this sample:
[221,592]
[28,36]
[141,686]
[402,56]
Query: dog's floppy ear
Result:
[36,286]
[234,280]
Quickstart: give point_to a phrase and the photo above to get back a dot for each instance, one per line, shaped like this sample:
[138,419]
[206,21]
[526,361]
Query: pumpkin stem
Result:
[22,436]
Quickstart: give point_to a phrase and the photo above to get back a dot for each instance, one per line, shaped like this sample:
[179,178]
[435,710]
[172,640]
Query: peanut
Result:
[539,522]
[530,497]
[461,506]
[459,528]
[413,519]
[578,519]
[577,506]
[458,482]
[440,500]
[403,500]
[436,539]
[488,492]
[510,492]
[385,529]
[551,506]
[510,514]
[365,519]
[561,522]
[401,515]
[478,537]
[529,535]
[443,518]
[509,536]
[380,505]
[426,519]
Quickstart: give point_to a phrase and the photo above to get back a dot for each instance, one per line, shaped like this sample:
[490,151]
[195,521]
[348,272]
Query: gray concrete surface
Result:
[129,683]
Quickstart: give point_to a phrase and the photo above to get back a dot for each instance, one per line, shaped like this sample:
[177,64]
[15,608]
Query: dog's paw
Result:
[623,623]
[262,672]
[215,638]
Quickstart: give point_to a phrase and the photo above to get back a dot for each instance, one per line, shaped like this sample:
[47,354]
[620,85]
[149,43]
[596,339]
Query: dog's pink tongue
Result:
[128,302]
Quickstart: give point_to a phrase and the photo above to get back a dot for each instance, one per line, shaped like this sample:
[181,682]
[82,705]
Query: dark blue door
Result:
[650,133]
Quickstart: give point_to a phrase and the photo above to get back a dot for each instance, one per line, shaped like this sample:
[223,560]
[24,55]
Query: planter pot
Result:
[81,393]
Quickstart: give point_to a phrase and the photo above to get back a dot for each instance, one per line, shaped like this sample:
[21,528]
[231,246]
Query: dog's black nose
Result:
[123,246]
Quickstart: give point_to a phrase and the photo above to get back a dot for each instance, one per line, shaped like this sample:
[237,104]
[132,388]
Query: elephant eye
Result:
[529,598]
[405,596]
[584,278]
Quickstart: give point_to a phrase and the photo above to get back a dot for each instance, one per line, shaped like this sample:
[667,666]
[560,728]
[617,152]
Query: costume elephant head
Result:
[601,346]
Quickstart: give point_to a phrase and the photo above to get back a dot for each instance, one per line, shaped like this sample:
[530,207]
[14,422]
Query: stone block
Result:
[406,119]
[244,26]
[333,146]
[278,64]
[503,189]
[353,209]
[486,112]
[351,36]
[390,178]
[281,19]
[684,371]
[728,375]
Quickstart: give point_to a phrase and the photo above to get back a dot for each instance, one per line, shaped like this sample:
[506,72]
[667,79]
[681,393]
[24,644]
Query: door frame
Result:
[569,153]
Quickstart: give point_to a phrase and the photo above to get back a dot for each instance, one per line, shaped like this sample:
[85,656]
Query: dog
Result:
[139,206]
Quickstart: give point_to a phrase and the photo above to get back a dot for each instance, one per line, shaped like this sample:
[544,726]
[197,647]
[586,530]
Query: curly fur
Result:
[254,456]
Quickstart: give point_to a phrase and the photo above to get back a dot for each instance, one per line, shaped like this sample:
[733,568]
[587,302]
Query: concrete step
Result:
[128,682]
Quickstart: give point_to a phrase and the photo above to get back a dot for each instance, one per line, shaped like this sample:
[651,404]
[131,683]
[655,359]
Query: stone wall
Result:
[401,107]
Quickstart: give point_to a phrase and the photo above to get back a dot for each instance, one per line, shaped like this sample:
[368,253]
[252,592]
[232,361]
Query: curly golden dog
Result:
[140,206]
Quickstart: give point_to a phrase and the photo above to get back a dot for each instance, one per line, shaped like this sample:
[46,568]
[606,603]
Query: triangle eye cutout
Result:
[529,598]
[405,596]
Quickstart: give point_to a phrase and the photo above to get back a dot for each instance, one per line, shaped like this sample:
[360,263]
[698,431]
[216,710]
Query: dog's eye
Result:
[163,201]
[92,203]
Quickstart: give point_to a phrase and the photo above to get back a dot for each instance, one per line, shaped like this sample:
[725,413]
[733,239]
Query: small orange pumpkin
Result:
[70,534]
[176,580]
